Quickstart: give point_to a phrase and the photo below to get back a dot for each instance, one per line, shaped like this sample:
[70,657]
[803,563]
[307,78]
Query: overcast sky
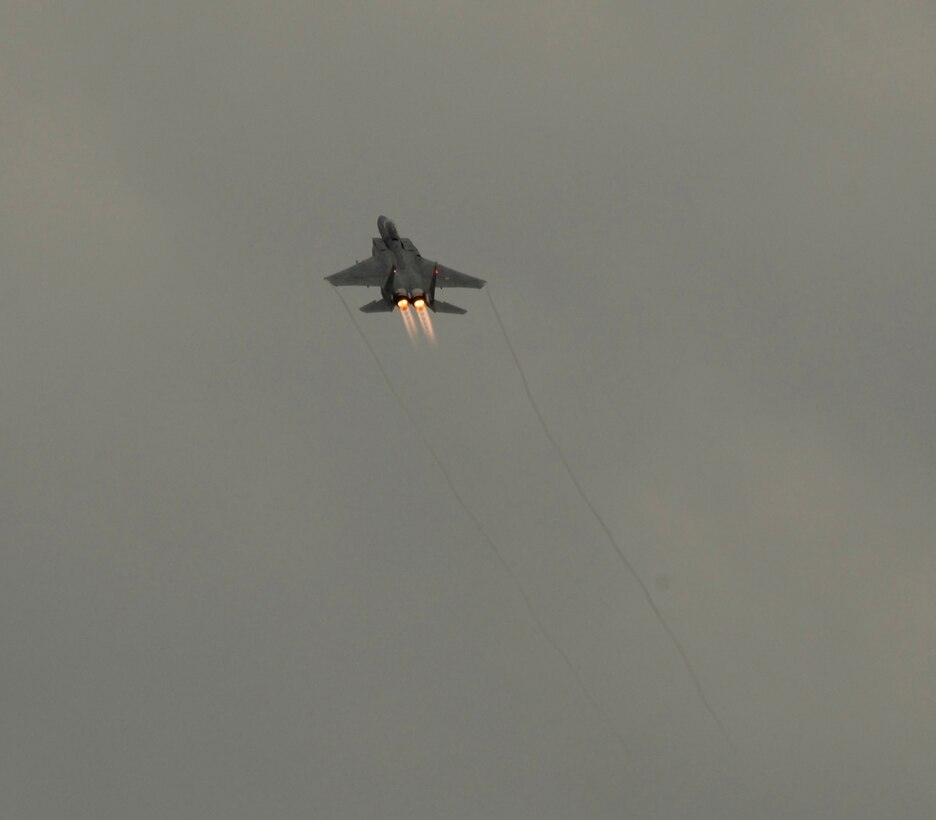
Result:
[234,582]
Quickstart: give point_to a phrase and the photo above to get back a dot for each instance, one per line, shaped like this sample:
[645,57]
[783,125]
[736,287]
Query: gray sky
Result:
[235,584]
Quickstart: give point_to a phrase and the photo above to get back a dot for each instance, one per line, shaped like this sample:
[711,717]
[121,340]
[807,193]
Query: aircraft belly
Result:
[409,276]
[409,282]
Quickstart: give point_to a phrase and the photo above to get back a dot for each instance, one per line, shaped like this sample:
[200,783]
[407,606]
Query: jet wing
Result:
[450,278]
[369,272]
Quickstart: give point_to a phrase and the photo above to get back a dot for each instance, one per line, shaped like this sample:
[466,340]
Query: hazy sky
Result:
[234,583]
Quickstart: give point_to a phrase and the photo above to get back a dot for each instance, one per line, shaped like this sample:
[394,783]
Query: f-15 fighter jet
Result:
[403,276]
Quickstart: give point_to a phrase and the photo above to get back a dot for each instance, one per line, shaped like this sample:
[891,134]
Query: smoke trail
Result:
[696,682]
[484,534]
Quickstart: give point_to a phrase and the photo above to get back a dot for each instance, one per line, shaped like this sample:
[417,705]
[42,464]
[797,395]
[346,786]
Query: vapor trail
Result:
[484,534]
[697,684]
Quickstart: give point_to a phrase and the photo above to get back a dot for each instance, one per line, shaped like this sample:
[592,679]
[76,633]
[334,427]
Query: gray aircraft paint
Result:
[398,268]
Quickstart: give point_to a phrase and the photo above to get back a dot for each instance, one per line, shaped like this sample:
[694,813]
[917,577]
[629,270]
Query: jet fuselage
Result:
[403,276]
[410,280]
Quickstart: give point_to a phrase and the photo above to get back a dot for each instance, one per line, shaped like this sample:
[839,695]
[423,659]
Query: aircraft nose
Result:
[387,228]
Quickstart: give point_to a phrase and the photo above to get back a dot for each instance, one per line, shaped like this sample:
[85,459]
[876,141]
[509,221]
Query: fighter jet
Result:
[403,276]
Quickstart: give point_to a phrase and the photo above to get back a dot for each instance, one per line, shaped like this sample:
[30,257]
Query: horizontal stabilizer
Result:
[445,307]
[378,306]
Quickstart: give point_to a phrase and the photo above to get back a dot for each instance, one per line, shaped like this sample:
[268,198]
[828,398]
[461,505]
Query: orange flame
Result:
[426,321]
[409,323]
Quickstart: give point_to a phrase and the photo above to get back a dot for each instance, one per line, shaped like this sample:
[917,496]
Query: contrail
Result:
[484,534]
[697,684]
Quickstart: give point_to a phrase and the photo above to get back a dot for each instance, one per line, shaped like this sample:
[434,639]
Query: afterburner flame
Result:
[409,323]
[419,304]
[402,304]
[425,320]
